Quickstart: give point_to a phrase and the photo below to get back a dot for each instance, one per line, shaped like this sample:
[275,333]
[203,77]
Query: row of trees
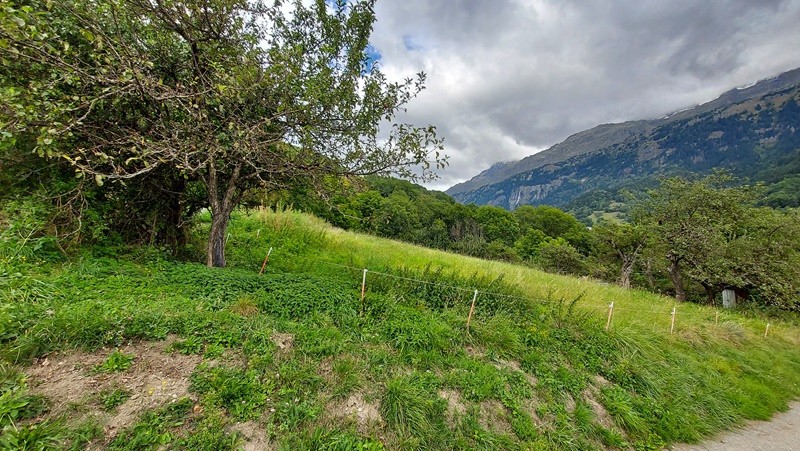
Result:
[690,238]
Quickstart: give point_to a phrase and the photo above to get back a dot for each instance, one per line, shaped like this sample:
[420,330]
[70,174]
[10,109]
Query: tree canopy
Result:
[710,231]
[233,94]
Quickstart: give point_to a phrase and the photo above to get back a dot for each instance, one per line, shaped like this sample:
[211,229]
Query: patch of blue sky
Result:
[371,57]
[335,5]
[411,43]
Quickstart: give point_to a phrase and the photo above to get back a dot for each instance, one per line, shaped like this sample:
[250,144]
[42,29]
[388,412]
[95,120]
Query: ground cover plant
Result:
[295,359]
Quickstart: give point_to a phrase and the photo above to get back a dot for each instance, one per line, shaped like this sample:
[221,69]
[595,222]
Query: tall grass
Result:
[529,372]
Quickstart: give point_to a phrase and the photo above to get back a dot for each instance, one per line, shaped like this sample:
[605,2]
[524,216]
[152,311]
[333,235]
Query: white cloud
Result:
[507,78]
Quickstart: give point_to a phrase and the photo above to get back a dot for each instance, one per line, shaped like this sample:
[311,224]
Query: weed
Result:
[291,414]
[214,351]
[209,434]
[111,399]
[413,410]
[408,328]
[322,339]
[324,439]
[84,433]
[245,306]
[501,334]
[405,344]
[620,405]
[34,437]
[16,404]
[116,362]
[523,426]
[191,345]
[347,373]
[238,391]
[154,429]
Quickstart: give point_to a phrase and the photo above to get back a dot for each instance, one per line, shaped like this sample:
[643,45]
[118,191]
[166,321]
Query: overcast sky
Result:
[508,78]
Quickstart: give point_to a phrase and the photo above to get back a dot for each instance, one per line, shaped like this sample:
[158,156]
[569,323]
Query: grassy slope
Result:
[536,371]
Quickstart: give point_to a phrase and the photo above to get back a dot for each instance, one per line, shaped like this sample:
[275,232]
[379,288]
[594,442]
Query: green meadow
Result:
[296,359]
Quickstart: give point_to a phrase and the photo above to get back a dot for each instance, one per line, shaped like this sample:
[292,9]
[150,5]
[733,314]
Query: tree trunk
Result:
[176,233]
[222,204]
[625,274]
[216,239]
[711,293]
[648,272]
[677,279]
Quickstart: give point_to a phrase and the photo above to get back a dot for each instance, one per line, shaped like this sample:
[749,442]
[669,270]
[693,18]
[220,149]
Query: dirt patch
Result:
[474,351]
[284,342]
[569,404]
[154,378]
[358,409]
[493,417]
[455,406]
[600,381]
[255,436]
[325,369]
[65,379]
[601,414]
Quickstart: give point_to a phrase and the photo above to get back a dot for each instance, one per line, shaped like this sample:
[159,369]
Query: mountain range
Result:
[753,132]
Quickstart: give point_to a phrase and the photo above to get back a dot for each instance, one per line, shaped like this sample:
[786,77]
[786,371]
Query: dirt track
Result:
[782,433]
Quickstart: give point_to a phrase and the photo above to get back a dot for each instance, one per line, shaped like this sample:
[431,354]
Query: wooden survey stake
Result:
[672,323]
[610,312]
[472,309]
[266,259]
[363,286]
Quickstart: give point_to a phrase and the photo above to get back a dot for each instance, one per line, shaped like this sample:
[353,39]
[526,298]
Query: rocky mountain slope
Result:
[753,132]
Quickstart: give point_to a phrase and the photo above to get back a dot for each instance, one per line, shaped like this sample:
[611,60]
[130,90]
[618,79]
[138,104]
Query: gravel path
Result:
[782,433]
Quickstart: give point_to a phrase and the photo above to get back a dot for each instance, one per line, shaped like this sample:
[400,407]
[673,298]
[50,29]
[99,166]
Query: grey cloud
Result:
[512,77]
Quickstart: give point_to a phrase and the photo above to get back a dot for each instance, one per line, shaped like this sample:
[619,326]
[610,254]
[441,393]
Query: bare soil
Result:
[356,408]
[255,436]
[154,378]
[455,405]
[493,417]
[284,342]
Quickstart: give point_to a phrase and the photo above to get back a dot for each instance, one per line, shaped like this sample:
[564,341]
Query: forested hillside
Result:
[688,237]
[755,138]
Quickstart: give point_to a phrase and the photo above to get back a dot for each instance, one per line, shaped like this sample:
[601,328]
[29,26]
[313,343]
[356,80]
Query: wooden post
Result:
[363,287]
[716,318]
[766,331]
[472,309]
[266,259]
[610,312]
[672,323]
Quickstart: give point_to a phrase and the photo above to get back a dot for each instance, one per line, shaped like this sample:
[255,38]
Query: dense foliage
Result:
[220,96]
[698,236]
